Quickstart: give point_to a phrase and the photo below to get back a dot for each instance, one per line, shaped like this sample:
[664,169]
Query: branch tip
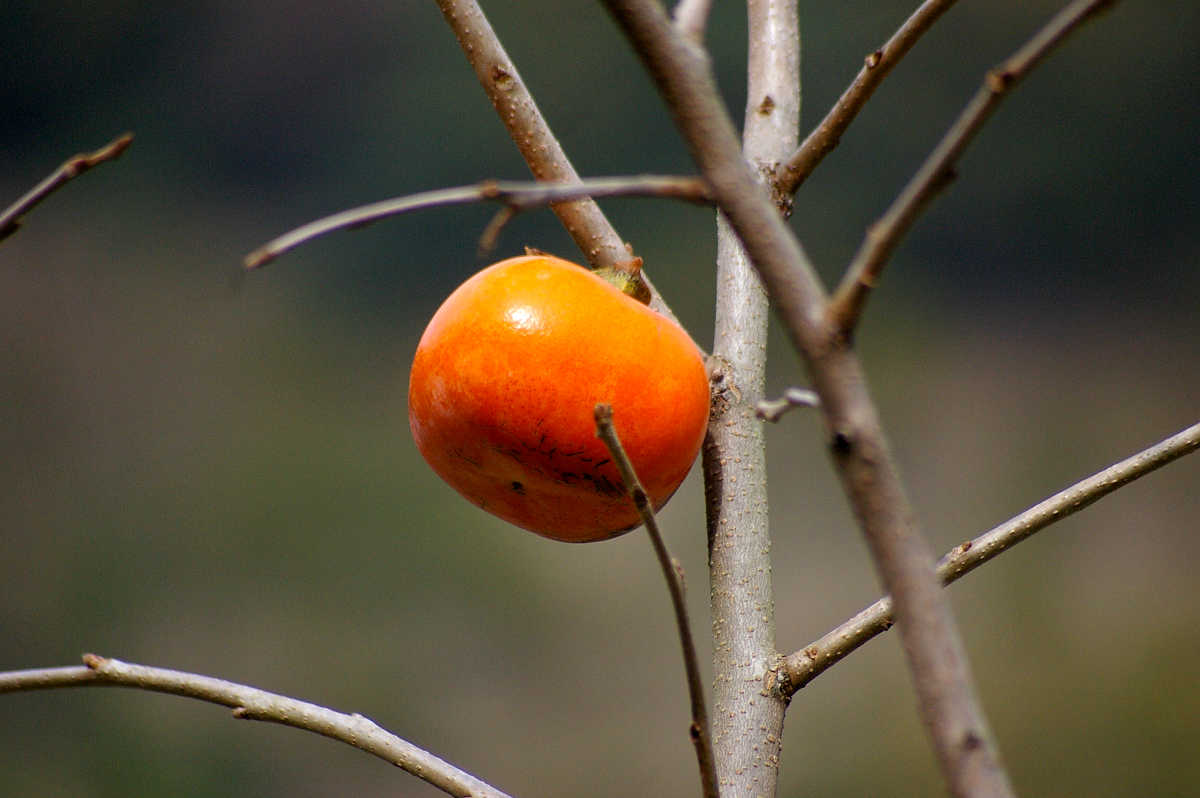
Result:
[11,218]
[673,573]
[938,170]
[258,259]
[491,233]
[774,409]
[78,164]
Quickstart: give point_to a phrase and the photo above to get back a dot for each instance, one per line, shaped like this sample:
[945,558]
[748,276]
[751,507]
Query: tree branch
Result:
[774,409]
[250,703]
[514,196]
[582,219]
[747,727]
[673,573]
[801,667]
[827,135]
[938,169]
[937,663]
[691,17]
[529,130]
[10,219]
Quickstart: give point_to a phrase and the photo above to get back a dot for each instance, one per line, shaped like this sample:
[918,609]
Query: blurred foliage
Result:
[213,472]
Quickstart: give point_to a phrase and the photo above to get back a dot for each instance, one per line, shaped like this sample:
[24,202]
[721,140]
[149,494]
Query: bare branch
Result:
[774,409]
[747,726]
[529,130]
[938,169]
[582,219]
[808,663]
[251,703]
[10,219]
[673,573]
[515,197]
[876,67]
[691,17]
[937,662]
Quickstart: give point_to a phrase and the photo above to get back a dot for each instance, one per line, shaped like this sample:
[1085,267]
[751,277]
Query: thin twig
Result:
[934,652]
[774,409]
[250,703]
[673,572]
[10,219]
[514,196]
[808,663]
[937,171]
[876,66]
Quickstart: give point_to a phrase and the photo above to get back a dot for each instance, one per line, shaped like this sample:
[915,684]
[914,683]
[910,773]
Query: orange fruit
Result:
[505,381]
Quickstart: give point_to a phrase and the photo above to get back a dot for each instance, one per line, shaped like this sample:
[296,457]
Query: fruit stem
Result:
[627,277]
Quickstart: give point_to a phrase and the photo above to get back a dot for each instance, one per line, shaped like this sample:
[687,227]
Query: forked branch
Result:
[938,169]
[10,219]
[527,127]
[876,66]
[529,130]
[940,673]
[250,703]
[808,663]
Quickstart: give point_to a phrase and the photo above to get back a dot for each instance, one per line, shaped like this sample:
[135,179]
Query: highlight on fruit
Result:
[505,380]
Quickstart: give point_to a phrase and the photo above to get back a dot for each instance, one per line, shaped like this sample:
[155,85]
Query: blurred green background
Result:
[214,473]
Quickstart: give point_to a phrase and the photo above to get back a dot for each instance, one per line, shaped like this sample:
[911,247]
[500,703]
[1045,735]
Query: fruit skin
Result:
[505,380]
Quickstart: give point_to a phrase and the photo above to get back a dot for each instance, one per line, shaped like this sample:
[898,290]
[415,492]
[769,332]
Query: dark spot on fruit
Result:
[518,488]
[607,487]
[512,452]
[459,453]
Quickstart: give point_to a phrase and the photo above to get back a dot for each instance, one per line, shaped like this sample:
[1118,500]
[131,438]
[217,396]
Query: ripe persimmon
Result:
[505,380]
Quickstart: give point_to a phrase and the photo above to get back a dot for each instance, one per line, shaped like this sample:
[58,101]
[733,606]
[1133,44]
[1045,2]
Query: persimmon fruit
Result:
[506,378]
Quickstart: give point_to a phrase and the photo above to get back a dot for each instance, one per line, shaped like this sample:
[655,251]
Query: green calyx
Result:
[627,277]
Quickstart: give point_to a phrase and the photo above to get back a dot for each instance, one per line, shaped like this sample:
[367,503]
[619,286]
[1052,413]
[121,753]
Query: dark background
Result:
[214,473]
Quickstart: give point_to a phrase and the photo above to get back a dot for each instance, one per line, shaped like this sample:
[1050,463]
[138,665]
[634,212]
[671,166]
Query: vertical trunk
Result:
[747,722]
